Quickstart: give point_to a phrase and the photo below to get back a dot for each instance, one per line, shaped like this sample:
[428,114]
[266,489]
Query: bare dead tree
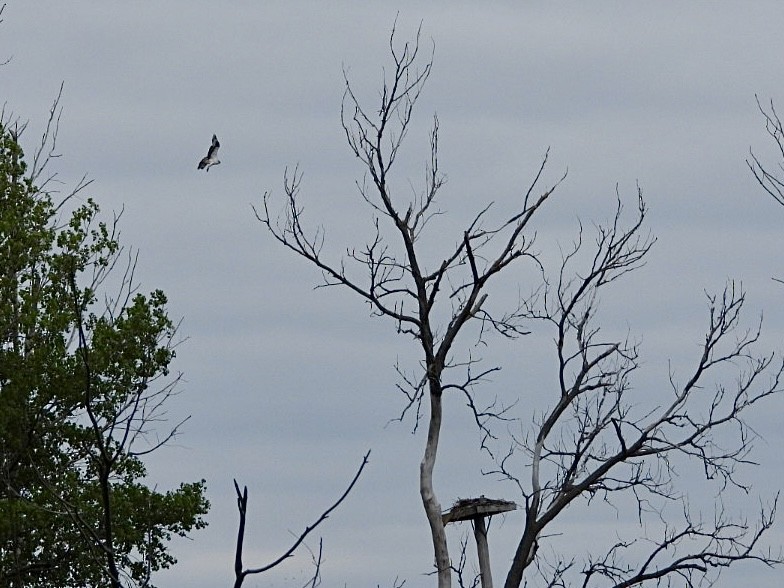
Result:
[396,284]
[596,441]
[240,572]
[590,441]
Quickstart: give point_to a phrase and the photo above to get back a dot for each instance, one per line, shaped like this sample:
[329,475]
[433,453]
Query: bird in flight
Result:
[212,155]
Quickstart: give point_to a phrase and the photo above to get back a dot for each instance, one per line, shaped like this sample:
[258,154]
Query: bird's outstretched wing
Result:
[213,152]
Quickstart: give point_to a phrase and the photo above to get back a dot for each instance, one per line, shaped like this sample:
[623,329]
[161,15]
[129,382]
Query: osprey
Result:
[212,155]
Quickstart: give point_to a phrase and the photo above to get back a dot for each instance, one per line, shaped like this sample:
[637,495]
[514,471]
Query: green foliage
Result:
[83,377]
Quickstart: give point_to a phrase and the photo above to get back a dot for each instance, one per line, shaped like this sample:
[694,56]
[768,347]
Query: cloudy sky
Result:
[287,386]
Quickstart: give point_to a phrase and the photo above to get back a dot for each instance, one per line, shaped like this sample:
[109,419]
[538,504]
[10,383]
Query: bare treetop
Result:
[593,439]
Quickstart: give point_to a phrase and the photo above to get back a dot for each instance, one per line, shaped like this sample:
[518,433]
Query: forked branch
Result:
[240,572]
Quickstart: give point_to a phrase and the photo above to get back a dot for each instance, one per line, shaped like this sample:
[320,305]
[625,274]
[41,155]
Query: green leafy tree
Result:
[84,376]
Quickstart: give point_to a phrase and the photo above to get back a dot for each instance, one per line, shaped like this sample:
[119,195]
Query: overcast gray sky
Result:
[287,386]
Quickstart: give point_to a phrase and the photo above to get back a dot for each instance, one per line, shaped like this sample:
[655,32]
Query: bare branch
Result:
[771,182]
[240,573]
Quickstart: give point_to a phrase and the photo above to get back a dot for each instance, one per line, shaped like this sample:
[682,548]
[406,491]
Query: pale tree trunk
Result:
[429,499]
